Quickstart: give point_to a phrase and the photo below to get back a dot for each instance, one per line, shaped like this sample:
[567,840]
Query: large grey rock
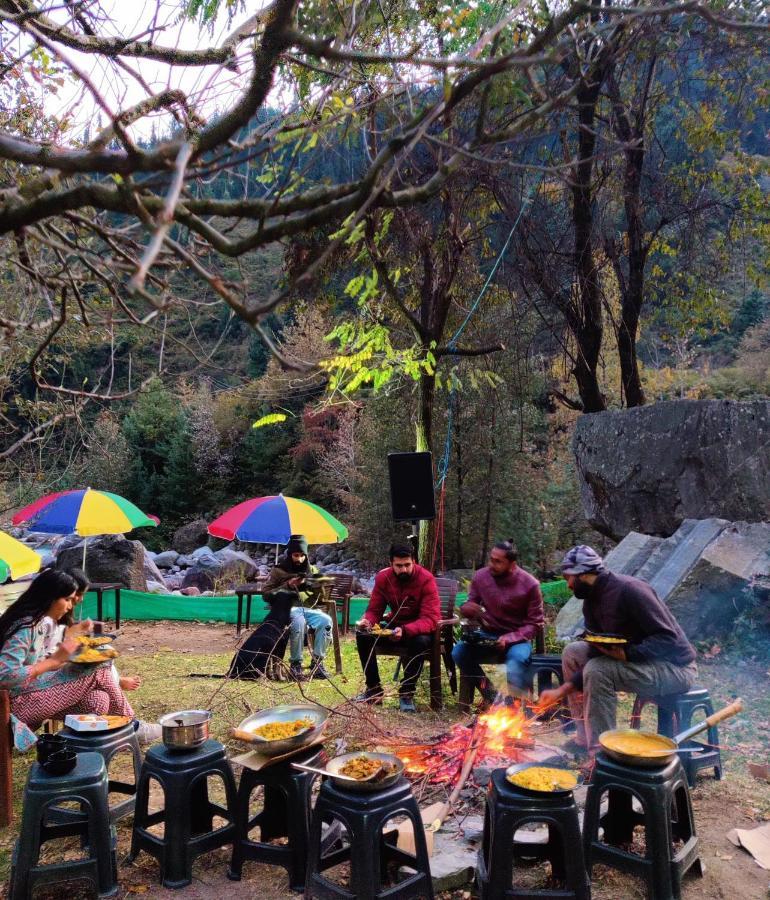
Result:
[662,563]
[237,566]
[167,559]
[205,558]
[733,571]
[110,557]
[648,469]
[198,578]
[190,536]
[150,570]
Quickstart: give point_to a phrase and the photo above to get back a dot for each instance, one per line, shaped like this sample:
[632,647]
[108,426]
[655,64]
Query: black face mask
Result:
[582,590]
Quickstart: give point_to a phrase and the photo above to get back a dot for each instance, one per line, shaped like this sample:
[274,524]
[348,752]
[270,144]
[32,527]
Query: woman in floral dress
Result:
[46,687]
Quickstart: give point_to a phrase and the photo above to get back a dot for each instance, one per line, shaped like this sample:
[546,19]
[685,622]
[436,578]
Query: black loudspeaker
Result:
[411,486]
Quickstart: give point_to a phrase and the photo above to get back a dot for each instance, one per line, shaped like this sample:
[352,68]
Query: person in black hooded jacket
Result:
[289,574]
[655,658]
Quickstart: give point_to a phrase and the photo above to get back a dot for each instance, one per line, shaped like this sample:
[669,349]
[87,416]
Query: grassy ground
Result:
[166,654]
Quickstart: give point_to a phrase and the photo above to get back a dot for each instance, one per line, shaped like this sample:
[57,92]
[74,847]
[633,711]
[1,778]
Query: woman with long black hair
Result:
[45,687]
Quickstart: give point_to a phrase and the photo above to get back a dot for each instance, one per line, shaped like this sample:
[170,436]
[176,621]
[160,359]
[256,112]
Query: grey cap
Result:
[582,560]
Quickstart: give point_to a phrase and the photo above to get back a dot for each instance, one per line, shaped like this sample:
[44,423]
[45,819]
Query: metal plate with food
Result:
[604,638]
[532,778]
[94,640]
[283,729]
[92,656]
[360,766]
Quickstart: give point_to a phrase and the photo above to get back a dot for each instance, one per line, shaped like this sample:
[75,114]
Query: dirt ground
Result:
[737,801]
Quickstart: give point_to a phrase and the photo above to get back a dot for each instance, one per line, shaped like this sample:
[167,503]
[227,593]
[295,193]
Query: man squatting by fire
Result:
[655,660]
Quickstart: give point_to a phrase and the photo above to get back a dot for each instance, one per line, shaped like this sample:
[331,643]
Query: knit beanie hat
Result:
[582,560]
[297,544]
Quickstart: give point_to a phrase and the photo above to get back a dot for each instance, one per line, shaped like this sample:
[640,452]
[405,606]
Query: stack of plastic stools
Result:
[507,810]
[86,785]
[675,714]
[367,852]
[666,816]
[285,814]
[188,828]
[107,744]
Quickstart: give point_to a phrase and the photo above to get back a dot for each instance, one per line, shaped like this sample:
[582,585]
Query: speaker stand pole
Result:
[414,538]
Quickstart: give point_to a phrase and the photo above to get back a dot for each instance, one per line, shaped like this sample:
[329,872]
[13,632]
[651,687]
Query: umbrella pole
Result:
[85,545]
[276,554]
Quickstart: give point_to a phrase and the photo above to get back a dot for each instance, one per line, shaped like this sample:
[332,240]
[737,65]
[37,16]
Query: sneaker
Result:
[148,732]
[406,704]
[317,668]
[373,695]
[296,673]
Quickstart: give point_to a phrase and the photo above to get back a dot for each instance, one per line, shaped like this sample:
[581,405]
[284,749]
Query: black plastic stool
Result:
[675,714]
[188,814]
[285,814]
[368,853]
[107,744]
[507,809]
[667,815]
[86,784]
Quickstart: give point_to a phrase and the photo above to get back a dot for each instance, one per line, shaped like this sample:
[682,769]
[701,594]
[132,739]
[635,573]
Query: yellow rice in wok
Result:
[641,744]
[543,778]
[278,731]
[361,767]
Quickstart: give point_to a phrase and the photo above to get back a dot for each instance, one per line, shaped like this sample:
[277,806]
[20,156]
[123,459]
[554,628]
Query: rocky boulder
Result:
[190,536]
[648,469]
[707,572]
[110,557]
[733,571]
[197,578]
[237,567]
[166,559]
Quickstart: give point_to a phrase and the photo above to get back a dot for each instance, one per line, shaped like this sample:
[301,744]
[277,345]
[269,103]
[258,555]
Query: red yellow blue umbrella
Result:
[16,559]
[84,512]
[272,520]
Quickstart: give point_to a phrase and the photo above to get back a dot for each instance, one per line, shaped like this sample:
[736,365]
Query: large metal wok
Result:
[656,749]
[287,713]
[376,784]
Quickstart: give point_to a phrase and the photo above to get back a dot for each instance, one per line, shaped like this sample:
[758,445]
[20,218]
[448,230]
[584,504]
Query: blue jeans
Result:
[468,658]
[301,620]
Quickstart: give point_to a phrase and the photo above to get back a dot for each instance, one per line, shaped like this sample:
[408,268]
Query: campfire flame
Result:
[503,736]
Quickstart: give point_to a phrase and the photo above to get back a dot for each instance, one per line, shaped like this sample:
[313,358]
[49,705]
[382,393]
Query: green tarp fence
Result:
[143,607]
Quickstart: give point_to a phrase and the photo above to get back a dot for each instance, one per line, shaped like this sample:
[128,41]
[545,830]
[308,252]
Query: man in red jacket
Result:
[410,593]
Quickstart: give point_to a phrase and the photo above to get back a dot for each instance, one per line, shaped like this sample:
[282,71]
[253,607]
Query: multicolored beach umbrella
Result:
[272,520]
[16,559]
[84,512]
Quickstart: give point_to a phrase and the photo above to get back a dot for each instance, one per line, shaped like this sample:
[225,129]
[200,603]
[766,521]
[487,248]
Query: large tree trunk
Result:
[586,316]
[633,296]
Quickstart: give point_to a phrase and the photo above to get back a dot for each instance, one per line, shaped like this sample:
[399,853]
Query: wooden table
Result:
[99,588]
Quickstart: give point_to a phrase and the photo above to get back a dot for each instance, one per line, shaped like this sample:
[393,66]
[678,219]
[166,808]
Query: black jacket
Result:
[630,608]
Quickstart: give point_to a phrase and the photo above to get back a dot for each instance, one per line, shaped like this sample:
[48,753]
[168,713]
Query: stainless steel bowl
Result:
[286,713]
[186,729]
[378,784]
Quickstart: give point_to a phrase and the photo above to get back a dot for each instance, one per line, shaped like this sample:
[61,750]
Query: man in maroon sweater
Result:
[506,606]
[410,593]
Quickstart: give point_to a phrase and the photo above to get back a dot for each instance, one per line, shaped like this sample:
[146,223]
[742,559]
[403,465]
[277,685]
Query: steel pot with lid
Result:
[186,729]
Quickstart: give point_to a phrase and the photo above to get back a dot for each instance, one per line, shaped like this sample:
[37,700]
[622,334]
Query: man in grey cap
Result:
[651,657]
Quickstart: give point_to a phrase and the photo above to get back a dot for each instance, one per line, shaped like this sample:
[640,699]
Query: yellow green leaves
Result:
[270,419]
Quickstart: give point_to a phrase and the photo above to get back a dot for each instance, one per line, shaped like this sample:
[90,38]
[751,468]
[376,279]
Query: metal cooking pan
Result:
[376,784]
[286,713]
[662,749]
